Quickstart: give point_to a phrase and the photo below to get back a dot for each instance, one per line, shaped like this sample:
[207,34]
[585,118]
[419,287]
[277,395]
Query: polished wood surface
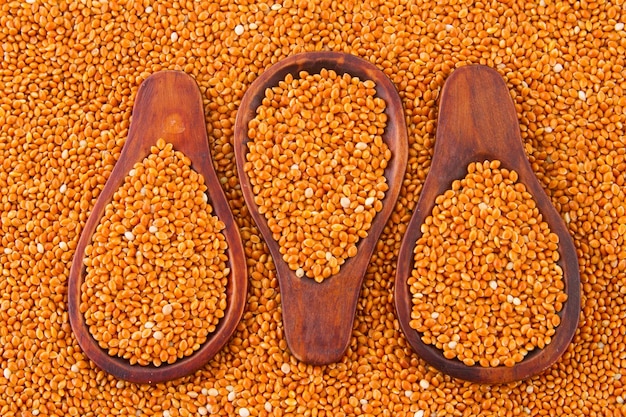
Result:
[477,122]
[169,106]
[318,317]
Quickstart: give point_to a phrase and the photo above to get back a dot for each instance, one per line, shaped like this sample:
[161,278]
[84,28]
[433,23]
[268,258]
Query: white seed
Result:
[345,202]
[153,229]
[517,301]
[231,396]
[203,411]
[308,193]
[558,67]
[285,368]
[493,284]
[40,248]
[129,235]
[434,315]
[452,344]
[149,9]
[299,272]
[7,373]
[174,37]
[408,393]
[361,146]
[63,188]
[619,26]
[239,30]
[424,384]
[75,368]
[244,412]
[35,412]
[369,201]
[149,324]
[419,413]
[582,95]
[158,335]
[276,6]
[268,407]
[529,389]
[213,392]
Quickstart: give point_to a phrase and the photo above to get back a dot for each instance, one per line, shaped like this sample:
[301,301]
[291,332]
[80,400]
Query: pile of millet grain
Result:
[69,75]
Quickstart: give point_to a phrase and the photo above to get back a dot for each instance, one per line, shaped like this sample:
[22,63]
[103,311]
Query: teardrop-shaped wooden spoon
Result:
[168,106]
[318,317]
[477,122]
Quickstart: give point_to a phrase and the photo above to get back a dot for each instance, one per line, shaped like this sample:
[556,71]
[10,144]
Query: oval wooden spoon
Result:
[477,122]
[318,317]
[168,106]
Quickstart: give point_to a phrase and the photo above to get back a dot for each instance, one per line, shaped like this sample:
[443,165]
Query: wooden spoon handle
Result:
[476,122]
[169,106]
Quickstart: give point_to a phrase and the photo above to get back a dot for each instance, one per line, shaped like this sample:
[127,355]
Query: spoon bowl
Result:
[168,106]
[477,122]
[318,317]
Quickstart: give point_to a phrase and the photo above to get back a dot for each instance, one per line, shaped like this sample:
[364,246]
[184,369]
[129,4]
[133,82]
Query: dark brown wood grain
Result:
[169,106]
[477,122]
[318,317]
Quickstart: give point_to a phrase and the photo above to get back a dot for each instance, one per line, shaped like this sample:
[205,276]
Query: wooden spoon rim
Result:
[440,179]
[143,133]
[347,283]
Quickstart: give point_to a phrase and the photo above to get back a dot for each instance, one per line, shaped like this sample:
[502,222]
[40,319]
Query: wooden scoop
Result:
[477,122]
[318,317]
[168,106]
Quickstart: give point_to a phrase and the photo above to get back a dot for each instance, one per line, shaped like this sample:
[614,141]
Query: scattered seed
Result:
[65,113]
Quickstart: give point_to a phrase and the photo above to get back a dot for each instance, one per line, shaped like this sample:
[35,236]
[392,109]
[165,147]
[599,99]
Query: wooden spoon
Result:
[477,122]
[318,317]
[168,106]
